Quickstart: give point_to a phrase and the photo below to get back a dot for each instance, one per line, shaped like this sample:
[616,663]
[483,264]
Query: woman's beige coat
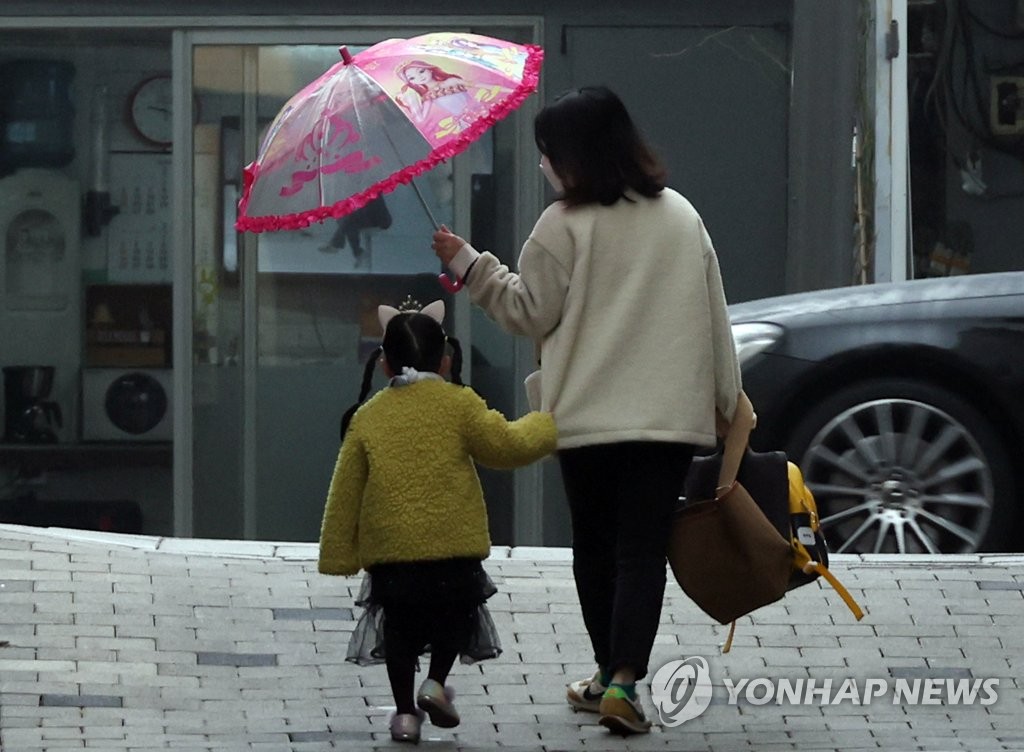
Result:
[627,305]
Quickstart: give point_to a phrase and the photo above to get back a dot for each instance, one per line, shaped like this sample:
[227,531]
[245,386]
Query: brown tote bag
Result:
[725,554]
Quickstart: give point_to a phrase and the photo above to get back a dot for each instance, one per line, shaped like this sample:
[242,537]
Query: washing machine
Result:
[127,404]
[40,278]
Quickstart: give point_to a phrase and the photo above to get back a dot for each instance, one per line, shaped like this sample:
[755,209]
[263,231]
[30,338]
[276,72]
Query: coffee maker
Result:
[29,417]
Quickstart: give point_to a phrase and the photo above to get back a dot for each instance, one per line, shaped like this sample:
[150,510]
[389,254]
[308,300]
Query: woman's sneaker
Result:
[437,701]
[622,714]
[585,694]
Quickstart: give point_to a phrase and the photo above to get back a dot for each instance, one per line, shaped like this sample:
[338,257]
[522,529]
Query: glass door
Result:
[282,322]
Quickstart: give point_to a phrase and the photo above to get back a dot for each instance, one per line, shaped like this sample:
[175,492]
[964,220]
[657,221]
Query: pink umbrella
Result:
[378,119]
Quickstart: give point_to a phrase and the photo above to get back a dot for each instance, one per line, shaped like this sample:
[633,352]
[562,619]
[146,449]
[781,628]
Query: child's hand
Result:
[446,244]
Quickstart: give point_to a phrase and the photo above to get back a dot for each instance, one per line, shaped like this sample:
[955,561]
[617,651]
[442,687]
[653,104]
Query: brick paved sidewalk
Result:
[121,643]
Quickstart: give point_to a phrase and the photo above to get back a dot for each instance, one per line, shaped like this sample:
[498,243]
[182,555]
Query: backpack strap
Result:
[737,436]
[813,566]
[736,439]
[728,640]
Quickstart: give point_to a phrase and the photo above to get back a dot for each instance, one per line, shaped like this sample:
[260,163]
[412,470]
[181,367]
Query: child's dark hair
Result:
[594,147]
[413,340]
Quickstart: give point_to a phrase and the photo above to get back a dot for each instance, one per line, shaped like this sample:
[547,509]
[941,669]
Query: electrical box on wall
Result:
[1007,105]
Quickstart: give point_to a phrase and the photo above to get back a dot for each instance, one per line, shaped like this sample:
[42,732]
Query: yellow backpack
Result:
[810,552]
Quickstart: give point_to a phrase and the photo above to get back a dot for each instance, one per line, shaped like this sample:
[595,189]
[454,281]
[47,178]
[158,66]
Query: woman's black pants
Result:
[622,497]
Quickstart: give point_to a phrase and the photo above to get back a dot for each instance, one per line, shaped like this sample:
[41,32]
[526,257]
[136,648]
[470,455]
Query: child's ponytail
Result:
[456,361]
[363,390]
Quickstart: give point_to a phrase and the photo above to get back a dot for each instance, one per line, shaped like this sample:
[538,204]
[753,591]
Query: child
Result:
[405,504]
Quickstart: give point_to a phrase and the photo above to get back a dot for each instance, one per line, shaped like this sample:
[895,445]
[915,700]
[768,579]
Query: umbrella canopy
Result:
[377,119]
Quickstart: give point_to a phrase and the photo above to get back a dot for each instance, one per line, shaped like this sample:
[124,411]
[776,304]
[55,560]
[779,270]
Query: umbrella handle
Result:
[450,285]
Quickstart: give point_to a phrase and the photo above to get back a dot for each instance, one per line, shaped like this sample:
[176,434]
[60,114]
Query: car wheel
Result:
[898,466]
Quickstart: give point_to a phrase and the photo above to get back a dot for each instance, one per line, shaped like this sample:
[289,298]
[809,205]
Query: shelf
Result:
[86,455]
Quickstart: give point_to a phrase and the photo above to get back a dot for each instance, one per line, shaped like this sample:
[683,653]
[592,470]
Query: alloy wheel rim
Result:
[899,476]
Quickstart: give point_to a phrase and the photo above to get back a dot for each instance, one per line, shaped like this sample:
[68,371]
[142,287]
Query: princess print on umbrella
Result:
[443,103]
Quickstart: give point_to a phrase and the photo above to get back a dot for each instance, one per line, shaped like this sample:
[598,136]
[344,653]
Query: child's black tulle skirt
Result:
[424,585]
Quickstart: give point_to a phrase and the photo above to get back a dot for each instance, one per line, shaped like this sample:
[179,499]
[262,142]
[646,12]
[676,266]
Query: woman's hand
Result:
[446,244]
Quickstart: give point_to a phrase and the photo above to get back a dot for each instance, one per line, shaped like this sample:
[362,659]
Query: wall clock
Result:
[149,110]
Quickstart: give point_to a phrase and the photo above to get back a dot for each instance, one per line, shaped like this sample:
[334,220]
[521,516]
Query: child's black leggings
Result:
[409,629]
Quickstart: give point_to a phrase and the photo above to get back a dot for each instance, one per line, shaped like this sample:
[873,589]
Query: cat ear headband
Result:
[435,310]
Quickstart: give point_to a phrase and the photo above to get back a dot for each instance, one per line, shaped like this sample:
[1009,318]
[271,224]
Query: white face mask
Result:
[549,173]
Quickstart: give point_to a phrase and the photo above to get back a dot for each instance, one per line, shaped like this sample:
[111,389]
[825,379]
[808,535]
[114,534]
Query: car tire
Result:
[902,466]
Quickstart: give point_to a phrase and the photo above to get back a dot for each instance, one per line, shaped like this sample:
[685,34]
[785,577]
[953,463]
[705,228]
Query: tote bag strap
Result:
[736,438]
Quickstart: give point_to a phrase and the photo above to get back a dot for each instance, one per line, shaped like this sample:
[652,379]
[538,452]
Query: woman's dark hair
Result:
[413,340]
[591,142]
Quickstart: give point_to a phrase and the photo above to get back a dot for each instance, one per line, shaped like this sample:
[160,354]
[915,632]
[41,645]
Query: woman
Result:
[619,286]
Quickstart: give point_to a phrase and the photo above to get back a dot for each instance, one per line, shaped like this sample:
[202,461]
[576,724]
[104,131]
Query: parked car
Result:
[903,405]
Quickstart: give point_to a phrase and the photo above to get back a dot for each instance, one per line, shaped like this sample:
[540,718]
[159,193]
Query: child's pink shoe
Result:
[405,727]
[437,701]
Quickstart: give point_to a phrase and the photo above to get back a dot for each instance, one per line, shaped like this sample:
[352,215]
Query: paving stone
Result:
[1000,585]
[215,658]
[80,701]
[313,614]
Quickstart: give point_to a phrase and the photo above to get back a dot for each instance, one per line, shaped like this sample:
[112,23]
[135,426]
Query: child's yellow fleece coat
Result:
[405,487]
